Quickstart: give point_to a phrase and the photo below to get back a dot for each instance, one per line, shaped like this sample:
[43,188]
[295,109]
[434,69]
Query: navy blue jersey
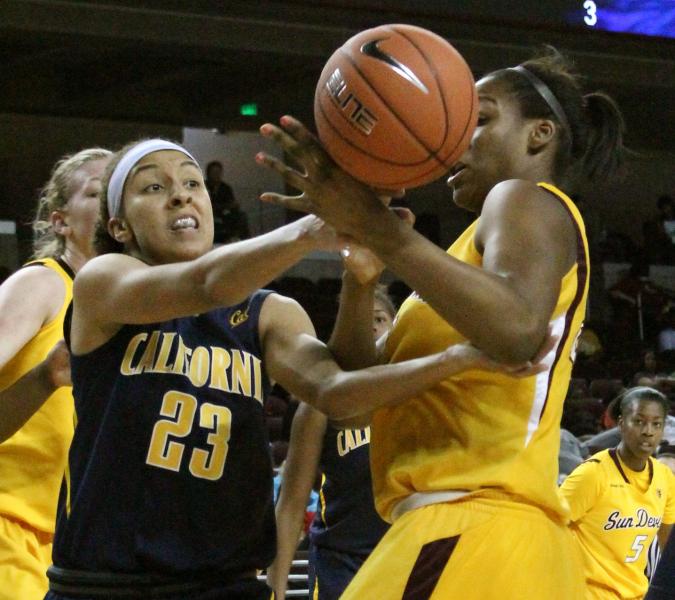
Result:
[346,519]
[169,469]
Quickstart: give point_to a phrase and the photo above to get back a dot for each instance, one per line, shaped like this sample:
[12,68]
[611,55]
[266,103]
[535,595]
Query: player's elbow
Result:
[334,398]
[519,343]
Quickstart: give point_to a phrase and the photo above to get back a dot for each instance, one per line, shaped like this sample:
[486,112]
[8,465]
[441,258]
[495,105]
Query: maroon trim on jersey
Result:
[582,275]
[614,454]
[428,568]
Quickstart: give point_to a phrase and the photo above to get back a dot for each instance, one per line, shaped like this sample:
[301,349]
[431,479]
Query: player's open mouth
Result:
[184,223]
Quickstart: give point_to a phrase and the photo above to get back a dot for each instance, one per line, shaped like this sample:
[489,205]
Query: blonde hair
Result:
[54,196]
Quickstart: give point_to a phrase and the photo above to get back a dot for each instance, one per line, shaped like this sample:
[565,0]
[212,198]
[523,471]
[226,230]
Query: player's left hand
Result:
[326,190]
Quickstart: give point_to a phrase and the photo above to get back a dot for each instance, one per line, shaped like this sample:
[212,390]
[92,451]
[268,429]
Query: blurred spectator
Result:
[581,416]
[659,233]
[637,304]
[653,374]
[649,369]
[230,223]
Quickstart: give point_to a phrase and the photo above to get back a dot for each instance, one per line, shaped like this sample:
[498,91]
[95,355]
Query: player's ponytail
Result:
[605,152]
[590,127]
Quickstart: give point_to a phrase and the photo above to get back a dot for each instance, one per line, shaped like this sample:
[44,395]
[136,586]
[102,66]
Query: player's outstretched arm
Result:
[305,367]
[299,473]
[137,292]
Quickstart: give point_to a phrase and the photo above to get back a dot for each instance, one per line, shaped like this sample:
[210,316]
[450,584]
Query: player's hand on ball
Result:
[326,190]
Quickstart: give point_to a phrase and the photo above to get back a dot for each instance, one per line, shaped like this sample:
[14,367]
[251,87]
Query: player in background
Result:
[621,499]
[169,482]
[36,411]
[475,456]
[346,527]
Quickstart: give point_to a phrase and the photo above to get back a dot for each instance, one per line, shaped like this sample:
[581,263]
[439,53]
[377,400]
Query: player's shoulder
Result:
[525,202]
[595,464]
[33,280]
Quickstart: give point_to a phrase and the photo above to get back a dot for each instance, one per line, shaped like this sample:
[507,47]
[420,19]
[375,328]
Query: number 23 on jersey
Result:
[180,410]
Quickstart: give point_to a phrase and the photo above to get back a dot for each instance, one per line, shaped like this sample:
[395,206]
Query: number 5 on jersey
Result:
[180,410]
[637,548]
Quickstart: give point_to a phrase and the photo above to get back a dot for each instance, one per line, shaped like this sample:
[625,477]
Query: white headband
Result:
[121,172]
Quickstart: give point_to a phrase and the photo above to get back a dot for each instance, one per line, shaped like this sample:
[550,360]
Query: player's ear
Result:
[59,222]
[541,134]
[119,230]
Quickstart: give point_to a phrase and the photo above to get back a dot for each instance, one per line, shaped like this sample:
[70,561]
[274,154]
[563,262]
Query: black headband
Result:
[546,93]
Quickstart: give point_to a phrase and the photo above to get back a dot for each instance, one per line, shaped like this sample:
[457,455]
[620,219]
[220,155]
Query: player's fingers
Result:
[287,142]
[405,214]
[300,143]
[296,129]
[389,194]
[298,203]
[290,175]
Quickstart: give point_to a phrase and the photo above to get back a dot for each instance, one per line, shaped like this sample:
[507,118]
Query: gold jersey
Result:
[33,460]
[616,513]
[478,430]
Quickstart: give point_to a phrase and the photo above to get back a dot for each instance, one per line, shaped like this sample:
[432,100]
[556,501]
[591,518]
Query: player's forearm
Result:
[20,401]
[290,519]
[228,275]
[348,395]
[351,342]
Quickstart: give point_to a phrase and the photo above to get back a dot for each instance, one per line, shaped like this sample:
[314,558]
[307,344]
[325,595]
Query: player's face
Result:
[642,428]
[167,209]
[382,320]
[80,213]
[498,148]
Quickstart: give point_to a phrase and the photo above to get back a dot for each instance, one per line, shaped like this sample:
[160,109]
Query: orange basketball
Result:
[396,106]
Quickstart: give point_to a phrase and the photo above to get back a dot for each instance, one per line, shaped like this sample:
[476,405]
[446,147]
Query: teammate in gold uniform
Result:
[467,472]
[621,498]
[36,416]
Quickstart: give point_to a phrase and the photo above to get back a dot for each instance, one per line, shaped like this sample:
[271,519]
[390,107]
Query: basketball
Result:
[395,106]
